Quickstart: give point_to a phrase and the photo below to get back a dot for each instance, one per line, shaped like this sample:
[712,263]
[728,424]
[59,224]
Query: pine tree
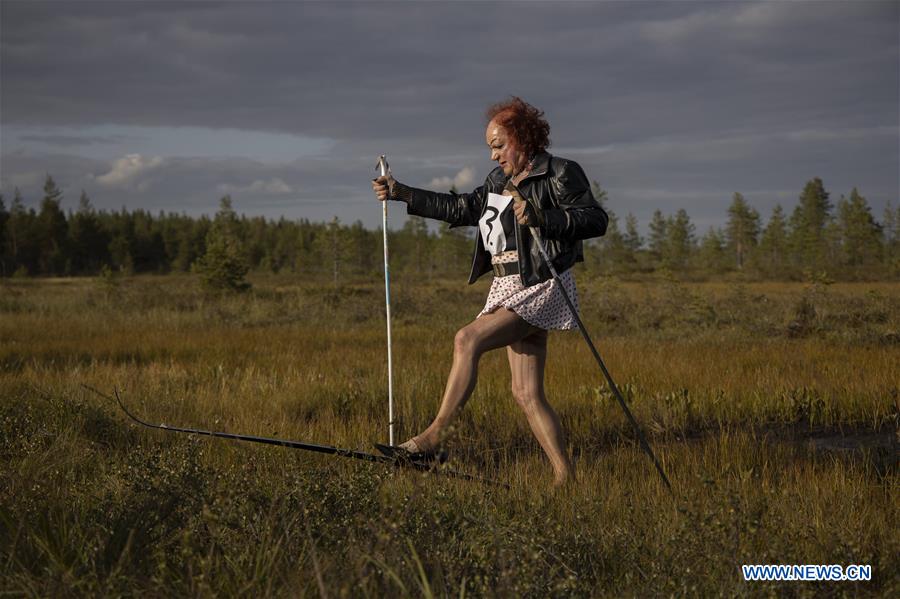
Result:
[599,194]
[334,247]
[21,244]
[52,230]
[415,246]
[742,229]
[148,248]
[255,242]
[891,257]
[711,254]
[831,237]
[224,265]
[178,241]
[680,241]
[860,235]
[121,246]
[658,234]
[291,251]
[613,255]
[330,248]
[807,226]
[88,242]
[363,250]
[632,238]
[4,218]
[119,249]
[773,246]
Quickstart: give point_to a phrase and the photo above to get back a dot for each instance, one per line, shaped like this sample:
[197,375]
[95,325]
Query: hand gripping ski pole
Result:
[536,236]
[385,170]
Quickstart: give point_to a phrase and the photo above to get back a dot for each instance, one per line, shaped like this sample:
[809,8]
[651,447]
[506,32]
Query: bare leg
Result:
[490,331]
[526,364]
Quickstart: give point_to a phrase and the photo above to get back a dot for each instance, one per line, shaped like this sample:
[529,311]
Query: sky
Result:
[286,106]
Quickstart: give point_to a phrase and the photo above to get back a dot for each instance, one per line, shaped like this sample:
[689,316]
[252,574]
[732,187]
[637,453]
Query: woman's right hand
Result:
[382,187]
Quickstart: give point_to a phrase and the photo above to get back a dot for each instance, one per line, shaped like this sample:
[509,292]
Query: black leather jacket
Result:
[556,186]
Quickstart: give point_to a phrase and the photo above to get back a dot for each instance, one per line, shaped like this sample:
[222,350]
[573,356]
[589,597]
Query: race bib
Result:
[492,233]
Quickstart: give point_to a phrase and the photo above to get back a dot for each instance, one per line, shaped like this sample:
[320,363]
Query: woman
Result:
[529,188]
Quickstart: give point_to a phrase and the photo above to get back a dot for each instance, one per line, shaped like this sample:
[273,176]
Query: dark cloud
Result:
[668,104]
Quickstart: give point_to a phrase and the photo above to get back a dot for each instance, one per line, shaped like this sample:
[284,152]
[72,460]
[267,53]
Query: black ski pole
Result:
[326,449]
[536,236]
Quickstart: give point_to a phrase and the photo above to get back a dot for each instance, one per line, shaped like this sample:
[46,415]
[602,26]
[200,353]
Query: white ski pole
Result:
[385,170]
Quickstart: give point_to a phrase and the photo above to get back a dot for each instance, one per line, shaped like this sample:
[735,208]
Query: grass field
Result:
[774,408]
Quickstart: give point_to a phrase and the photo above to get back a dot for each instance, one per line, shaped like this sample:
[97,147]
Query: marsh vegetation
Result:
[774,408]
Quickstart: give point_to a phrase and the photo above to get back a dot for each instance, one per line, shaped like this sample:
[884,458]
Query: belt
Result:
[505,269]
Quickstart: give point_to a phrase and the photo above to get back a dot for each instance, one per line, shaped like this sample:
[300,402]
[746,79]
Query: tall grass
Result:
[773,407]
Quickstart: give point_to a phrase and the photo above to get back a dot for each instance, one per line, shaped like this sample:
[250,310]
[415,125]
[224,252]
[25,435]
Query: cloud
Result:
[273,186]
[127,171]
[677,29]
[830,134]
[75,140]
[689,97]
[747,22]
[461,180]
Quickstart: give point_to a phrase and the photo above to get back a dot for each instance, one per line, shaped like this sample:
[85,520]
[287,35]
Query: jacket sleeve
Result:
[458,209]
[579,215]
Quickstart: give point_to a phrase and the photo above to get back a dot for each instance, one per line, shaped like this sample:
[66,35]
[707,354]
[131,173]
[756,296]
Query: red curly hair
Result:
[523,122]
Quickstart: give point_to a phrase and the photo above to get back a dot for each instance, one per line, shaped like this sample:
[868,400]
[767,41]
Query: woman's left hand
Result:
[525,213]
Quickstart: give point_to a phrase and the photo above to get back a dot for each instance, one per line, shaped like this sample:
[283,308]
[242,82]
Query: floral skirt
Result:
[541,305]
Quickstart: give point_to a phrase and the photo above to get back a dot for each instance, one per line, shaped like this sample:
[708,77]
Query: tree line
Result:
[842,240]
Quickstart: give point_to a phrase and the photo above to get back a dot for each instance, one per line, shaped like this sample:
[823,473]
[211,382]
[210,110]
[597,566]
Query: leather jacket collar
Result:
[541,165]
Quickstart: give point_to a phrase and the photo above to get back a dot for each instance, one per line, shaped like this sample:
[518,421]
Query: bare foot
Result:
[414,445]
[563,479]
[425,441]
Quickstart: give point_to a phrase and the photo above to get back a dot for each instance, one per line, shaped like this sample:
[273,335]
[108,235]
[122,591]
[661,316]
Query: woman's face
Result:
[504,150]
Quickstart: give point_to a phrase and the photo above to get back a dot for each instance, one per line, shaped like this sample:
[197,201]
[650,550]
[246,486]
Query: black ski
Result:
[326,449]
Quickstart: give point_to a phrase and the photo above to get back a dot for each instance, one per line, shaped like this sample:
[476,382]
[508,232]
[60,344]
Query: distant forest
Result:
[842,241]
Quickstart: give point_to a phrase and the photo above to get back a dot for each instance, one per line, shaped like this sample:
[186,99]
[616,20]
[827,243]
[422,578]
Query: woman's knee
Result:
[466,341]
[527,397]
